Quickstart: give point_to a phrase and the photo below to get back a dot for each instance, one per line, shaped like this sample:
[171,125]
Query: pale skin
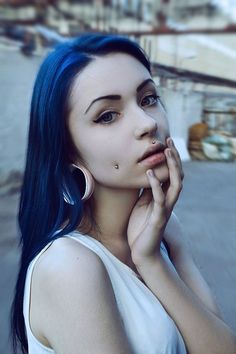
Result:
[138,123]
[132,226]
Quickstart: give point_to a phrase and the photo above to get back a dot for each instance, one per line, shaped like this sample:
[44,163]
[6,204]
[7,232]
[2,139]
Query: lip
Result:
[154,160]
[152,150]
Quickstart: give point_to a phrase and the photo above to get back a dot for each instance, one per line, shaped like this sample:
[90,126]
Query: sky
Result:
[227,6]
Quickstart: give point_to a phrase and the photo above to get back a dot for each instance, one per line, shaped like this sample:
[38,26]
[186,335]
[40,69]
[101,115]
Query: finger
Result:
[157,192]
[172,146]
[173,162]
[174,179]
[158,215]
[178,159]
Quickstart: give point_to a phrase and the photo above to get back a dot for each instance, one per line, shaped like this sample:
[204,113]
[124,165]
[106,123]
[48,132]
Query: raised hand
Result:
[152,211]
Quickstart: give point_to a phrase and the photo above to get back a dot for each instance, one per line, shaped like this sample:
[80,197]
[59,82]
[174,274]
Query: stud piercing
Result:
[116,166]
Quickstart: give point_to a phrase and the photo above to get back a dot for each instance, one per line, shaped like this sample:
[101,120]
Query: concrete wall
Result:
[17,75]
[184,109]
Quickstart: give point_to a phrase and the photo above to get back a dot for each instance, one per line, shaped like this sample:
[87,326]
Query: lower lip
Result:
[154,159]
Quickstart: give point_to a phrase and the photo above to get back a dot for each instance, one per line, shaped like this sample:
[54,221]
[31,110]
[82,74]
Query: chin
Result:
[161,172]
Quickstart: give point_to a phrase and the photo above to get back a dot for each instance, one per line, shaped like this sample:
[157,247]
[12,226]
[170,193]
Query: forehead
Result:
[116,73]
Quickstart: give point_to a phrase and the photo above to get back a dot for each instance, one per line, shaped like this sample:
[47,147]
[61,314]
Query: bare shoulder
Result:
[64,260]
[68,263]
[65,264]
[75,302]
[64,255]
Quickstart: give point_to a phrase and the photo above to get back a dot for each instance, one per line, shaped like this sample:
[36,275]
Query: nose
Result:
[145,125]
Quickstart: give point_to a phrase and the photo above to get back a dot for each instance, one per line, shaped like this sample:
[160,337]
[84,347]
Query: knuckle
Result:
[178,186]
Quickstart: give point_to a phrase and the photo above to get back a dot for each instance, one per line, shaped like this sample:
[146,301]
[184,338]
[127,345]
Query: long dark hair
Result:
[42,208]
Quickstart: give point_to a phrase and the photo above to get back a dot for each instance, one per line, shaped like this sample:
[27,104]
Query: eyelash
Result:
[156,98]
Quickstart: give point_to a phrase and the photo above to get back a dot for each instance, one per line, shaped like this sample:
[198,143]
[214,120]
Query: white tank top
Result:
[149,328]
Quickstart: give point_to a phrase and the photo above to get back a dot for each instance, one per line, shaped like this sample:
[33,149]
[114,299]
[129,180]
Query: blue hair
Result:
[50,150]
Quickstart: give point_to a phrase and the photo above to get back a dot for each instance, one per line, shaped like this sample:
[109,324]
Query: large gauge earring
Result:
[85,181]
[78,171]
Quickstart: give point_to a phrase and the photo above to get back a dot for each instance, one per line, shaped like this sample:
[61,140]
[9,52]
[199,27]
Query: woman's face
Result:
[117,130]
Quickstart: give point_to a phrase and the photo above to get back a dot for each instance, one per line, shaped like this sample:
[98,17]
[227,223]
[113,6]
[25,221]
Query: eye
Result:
[150,100]
[106,117]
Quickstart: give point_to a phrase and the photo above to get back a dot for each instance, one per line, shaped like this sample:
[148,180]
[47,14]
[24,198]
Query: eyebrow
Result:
[118,97]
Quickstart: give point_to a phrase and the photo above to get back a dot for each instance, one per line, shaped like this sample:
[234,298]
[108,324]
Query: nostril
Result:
[151,134]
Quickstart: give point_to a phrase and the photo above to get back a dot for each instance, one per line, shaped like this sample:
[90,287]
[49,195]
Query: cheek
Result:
[102,155]
[162,173]
[101,151]
[101,163]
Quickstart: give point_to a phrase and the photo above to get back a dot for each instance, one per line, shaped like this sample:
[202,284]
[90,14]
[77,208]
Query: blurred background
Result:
[192,47]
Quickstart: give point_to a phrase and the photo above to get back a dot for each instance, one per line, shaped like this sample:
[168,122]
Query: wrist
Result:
[147,262]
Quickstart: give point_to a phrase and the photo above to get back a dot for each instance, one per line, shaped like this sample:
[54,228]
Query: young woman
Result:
[104,268]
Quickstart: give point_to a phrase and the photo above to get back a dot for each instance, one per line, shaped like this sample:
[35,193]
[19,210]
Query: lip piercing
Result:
[153,142]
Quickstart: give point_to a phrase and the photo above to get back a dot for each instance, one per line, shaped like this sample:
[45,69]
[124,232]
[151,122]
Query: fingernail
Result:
[150,173]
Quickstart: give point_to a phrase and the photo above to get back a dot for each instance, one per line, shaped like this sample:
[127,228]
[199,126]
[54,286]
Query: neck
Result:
[111,210]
